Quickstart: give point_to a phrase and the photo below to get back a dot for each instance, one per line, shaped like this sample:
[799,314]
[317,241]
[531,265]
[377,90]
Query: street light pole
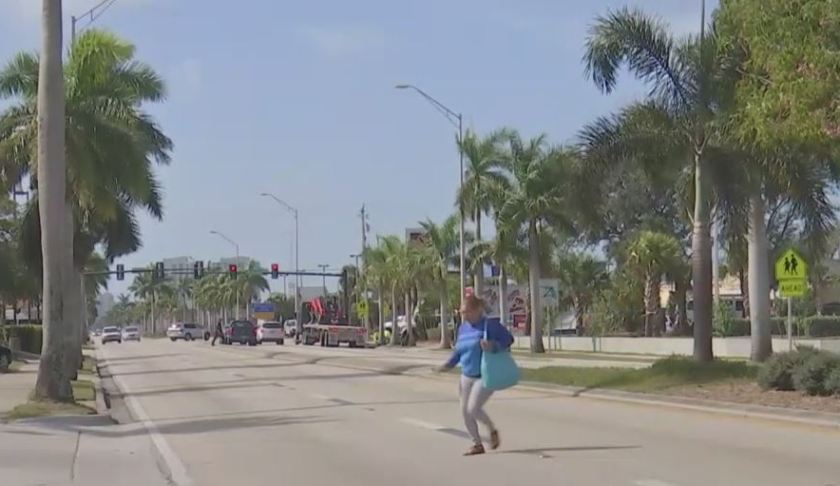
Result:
[457,119]
[294,211]
[94,13]
[323,268]
[236,246]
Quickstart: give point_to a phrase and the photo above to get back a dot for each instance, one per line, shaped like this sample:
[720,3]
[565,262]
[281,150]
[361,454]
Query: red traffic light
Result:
[275,267]
[232,268]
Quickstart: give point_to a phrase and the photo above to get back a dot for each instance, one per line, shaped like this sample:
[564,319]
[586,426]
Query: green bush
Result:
[832,382]
[738,327]
[777,372]
[810,377]
[30,336]
[822,326]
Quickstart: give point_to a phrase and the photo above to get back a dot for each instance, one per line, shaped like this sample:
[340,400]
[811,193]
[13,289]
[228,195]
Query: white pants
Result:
[473,397]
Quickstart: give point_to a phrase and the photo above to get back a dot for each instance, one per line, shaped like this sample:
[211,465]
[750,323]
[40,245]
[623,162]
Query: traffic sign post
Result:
[792,275]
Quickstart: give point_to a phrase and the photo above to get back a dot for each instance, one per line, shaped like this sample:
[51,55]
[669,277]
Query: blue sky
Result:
[297,98]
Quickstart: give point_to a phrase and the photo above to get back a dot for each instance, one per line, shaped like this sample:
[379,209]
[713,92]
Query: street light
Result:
[294,211]
[236,246]
[457,120]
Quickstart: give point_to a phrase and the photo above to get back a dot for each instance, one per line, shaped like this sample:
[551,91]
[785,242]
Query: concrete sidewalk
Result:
[88,450]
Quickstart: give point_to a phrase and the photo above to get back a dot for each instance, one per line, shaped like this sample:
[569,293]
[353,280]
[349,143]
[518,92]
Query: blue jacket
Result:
[468,351]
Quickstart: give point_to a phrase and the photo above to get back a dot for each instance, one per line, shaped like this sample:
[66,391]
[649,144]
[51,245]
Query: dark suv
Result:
[242,332]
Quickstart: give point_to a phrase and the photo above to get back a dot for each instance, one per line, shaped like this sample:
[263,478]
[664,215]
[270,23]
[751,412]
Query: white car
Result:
[185,331]
[290,327]
[131,333]
[271,332]
[111,335]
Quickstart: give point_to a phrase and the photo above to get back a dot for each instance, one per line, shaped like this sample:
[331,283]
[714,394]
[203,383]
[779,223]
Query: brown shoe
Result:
[475,450]
[495,440]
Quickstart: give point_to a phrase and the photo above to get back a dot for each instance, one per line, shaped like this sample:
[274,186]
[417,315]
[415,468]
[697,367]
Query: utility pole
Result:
[323,268]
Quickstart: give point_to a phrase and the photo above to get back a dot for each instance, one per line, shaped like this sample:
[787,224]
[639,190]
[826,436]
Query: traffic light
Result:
[159,273]
[275,270]
[198,270]
[120,271]
[232,269]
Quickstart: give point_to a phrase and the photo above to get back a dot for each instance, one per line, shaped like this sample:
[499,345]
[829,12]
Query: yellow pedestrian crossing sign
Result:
[791,266]
[792,274]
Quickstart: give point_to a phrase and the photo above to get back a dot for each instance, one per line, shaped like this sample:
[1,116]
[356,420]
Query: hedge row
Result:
[814,326]
[31,337]
[806,370]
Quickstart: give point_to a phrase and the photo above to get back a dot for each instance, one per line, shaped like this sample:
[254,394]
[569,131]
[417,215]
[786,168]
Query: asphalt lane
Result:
[309,416]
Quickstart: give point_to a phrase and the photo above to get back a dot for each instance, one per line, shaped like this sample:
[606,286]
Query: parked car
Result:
[111,335]
[270,332]
[131,333]
[290,327]
[242,332]
[5,358]
[186,331]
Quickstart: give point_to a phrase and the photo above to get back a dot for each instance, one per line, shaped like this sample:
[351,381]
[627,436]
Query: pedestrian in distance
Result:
[219,334]
[476,335]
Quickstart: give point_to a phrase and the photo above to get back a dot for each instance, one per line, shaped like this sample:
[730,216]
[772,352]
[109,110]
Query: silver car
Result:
[185,331]
[131,333]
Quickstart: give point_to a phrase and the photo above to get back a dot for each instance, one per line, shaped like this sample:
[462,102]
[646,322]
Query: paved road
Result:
[309,416]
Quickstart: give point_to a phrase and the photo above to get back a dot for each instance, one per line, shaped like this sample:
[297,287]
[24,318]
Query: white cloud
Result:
[343,41]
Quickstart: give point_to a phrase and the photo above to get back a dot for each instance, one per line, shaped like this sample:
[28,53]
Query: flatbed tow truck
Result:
[331,328]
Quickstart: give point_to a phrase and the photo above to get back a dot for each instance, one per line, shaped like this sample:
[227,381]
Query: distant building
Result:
[178,268]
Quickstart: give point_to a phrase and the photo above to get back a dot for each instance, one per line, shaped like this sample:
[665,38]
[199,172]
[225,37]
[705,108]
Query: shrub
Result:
[822,326]
[832,382]
[777,372]
[739,327]
[810,377]
[30,336]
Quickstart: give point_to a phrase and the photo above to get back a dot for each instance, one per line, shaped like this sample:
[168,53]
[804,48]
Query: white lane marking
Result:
[320,397]
[177,470]
[652,482]
[422,424]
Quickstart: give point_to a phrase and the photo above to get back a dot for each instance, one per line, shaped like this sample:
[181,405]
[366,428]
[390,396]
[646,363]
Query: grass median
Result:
[84,394]
[662,375]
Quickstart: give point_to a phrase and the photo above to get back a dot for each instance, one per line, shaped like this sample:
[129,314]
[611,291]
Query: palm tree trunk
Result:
[651,303]
[409,320]
[479,270]
[395,331]
[680,292]
[503,310]
[761,339]
[534,284]
[701,261]
[445,342]
[742,283]
[381,312]
[53,383]
[154,321]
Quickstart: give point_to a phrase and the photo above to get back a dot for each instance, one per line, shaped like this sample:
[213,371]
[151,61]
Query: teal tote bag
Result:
[498,370]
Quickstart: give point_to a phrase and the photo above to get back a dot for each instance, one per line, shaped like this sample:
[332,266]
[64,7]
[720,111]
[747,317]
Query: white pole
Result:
[790,324]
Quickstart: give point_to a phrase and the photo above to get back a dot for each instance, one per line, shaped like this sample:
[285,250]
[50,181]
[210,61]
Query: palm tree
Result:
[582,278]
[441,253]
[111,146]
[185,292]
[485,160]
[151,290]
[377,274]
[651,255]
[53,382]
[539,196]
[250,284]
[683,76]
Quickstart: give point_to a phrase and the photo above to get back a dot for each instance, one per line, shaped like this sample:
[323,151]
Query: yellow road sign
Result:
[791,266]
[792,288]
[362,309]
